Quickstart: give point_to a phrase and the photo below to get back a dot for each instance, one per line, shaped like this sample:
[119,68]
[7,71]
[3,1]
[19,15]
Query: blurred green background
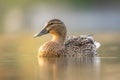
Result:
[78,15]
[21,19]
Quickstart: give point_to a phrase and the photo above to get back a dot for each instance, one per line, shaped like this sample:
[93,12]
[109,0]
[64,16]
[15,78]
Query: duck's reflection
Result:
[69,68]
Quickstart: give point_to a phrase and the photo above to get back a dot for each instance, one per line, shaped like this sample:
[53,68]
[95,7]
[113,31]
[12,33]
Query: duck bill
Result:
[43,32]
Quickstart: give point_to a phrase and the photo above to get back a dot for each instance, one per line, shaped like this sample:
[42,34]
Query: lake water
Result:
[18,62]
[29,67]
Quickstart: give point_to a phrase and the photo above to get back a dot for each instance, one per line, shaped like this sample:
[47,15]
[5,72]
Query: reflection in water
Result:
[69,68]
[84,68]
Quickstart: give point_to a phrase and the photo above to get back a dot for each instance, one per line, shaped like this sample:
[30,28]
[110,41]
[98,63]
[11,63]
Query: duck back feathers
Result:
[81,46]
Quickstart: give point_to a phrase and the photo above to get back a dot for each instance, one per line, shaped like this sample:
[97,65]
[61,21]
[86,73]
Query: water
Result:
[79,69]
[29,67]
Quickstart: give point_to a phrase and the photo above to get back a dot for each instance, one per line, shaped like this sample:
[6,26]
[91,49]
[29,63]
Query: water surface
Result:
[19,61]
[33,68]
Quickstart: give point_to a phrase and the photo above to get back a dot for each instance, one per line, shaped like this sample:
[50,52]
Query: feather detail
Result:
[81,45]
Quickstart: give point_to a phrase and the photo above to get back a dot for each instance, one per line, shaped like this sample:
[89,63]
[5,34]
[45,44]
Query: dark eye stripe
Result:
[53,23]
[50,24]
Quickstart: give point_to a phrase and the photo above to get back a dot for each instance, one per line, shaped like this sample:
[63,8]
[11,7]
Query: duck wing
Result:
[81,45]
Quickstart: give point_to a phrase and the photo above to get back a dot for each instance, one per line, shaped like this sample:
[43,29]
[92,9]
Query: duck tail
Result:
[97,44]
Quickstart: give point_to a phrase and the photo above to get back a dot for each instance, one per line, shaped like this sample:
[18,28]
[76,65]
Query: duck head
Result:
[55,27]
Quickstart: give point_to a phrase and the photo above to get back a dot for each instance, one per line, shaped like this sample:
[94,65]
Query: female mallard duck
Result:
[59,46]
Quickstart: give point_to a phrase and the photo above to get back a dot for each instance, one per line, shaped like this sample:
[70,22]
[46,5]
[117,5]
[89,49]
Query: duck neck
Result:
[59,38]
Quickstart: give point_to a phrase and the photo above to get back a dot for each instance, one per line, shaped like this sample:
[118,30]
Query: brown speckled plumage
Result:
[59,46]
[51,49]
[81,46]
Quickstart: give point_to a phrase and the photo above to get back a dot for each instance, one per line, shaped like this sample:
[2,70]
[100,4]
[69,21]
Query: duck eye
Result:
[51,23]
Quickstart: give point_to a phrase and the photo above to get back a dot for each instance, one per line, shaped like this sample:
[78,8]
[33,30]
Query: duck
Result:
[63,46]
